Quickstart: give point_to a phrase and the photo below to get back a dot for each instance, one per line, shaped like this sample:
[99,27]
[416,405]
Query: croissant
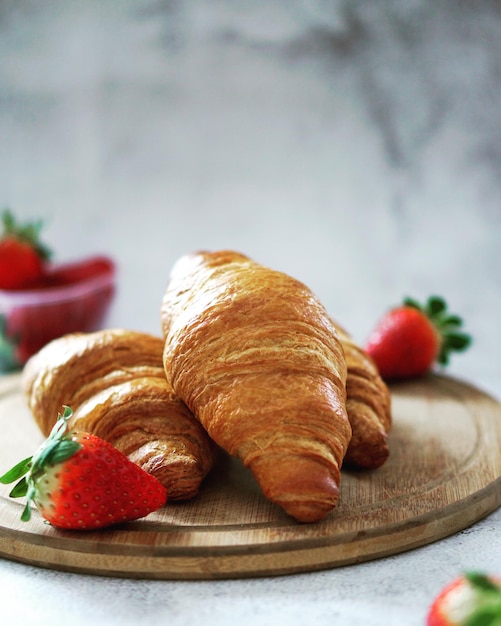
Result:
[257,359]
[115,384]
[368,405]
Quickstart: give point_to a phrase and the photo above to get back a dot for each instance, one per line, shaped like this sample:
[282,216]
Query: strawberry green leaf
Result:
[488,611]
[16,472]
[452,341]
[26,514]
[435,305]
[447,321]
[20,489]
[457,340]
[482,582]
[64,450]
[443,357]
[485,616]
[58,446]
[53,451]
[413,303]
[447,325]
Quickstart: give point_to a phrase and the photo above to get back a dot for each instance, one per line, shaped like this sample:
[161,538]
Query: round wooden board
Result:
[444,474]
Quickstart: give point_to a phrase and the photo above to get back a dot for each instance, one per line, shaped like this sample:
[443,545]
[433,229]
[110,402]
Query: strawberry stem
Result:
[56,448]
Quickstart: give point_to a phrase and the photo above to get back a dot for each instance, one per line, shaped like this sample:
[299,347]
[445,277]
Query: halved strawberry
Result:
[81,482]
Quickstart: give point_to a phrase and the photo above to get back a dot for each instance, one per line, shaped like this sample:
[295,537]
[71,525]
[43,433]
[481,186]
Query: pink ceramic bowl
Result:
[72,298]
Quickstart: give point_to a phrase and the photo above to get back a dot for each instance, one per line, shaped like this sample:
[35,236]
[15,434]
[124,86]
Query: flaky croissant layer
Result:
[257,359]
[115,384]
[368,404]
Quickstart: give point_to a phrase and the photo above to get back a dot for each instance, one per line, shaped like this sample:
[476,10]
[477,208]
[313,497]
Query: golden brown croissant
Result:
[368,405]
[257,359]
[115,384]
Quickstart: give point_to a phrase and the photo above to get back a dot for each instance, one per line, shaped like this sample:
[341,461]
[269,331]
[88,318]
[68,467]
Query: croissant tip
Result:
[310,513]
[304,489]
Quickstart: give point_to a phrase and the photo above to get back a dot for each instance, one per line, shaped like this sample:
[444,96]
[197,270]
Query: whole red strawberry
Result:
[22,255]
[81,482]
[472,599]
[410,338]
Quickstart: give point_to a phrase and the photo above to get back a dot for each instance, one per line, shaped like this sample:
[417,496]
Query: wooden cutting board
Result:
[444,474]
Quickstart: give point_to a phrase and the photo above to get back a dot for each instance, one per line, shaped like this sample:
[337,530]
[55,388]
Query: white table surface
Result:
[355,145]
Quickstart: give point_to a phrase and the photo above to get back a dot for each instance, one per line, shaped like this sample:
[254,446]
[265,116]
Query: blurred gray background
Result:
[353,144]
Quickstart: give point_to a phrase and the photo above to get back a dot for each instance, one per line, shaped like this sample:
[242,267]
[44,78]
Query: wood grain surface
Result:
[443,475]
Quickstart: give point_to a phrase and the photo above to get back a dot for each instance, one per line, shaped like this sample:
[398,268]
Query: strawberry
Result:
[70,297]
[22,255]
[410,338]
[79,481]
[472,599]
[77,271]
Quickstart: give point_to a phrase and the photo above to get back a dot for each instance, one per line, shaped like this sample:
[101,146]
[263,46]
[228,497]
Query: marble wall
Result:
[353,144]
